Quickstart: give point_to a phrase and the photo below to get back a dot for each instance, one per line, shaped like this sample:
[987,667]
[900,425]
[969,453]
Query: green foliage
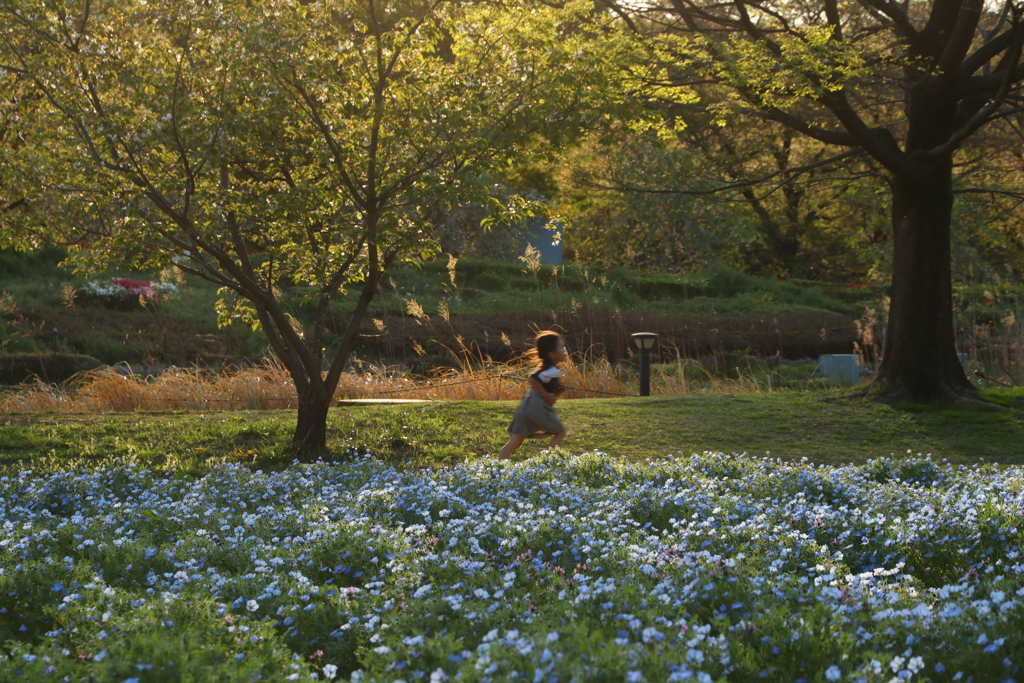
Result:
[34,263]
[618,198]
[182,641]
[795,67]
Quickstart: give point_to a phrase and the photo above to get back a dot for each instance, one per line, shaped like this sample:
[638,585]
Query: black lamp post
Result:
[645,341]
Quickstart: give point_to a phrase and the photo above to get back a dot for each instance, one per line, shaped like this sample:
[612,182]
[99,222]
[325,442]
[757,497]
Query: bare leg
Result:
[557,439]
[514,442]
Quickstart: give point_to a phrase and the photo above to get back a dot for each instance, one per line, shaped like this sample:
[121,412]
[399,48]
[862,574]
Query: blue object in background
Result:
[542,238]
[842,367]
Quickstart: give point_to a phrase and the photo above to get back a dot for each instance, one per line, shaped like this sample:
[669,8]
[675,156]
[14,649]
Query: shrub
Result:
[48,367]
[522,283]
[723,281]
[491,282]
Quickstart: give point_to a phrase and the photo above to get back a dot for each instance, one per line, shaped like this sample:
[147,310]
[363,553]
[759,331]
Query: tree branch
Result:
[959,41]
[623,15]
[987,52]
[878,142]
[896,15]
[740,184]
[832,14]
[831,137]
[753,31]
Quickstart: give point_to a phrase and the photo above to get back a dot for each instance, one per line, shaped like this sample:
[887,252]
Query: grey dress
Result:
[534,417]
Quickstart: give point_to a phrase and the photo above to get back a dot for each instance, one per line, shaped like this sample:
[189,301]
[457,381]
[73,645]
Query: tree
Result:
[905,83]
[816,216]
[619,197]
[258,145]
[754,196]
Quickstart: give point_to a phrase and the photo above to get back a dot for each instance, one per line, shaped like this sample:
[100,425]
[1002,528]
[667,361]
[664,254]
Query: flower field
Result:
[126,292]
[557,568]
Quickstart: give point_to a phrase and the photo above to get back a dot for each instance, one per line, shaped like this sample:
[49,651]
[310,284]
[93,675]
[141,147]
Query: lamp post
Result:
[645,341]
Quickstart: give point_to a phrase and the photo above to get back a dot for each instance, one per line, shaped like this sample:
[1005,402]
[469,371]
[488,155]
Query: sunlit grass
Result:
[790,425]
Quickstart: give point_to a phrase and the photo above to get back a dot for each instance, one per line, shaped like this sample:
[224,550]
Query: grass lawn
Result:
[789,425]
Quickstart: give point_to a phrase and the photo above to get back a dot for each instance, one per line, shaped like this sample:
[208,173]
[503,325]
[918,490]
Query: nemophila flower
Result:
[833,673]
[537,543]
[652,635]
[330,671]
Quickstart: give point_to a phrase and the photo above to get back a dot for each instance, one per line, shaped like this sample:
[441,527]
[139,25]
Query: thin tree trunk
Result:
[311,426]
[316,393]
[920,361]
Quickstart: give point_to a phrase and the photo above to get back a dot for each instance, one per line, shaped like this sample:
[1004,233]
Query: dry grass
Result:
[270,387]
[108,390]
[489,382]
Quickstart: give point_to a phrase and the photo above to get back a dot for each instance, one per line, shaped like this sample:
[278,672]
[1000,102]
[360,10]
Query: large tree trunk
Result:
[920,361]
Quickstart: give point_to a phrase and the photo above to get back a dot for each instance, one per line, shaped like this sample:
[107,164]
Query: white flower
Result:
[330,671]
[252,605]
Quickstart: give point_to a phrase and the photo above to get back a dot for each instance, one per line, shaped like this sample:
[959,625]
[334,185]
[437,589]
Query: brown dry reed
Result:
[269,387]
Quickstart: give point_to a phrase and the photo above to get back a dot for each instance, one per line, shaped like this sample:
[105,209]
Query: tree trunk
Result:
[920,361]
[316,393]
[311,426]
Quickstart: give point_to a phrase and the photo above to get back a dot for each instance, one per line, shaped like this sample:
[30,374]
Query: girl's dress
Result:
[534,417]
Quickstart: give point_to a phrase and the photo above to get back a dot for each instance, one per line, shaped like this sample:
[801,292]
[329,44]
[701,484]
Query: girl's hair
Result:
[544,343]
